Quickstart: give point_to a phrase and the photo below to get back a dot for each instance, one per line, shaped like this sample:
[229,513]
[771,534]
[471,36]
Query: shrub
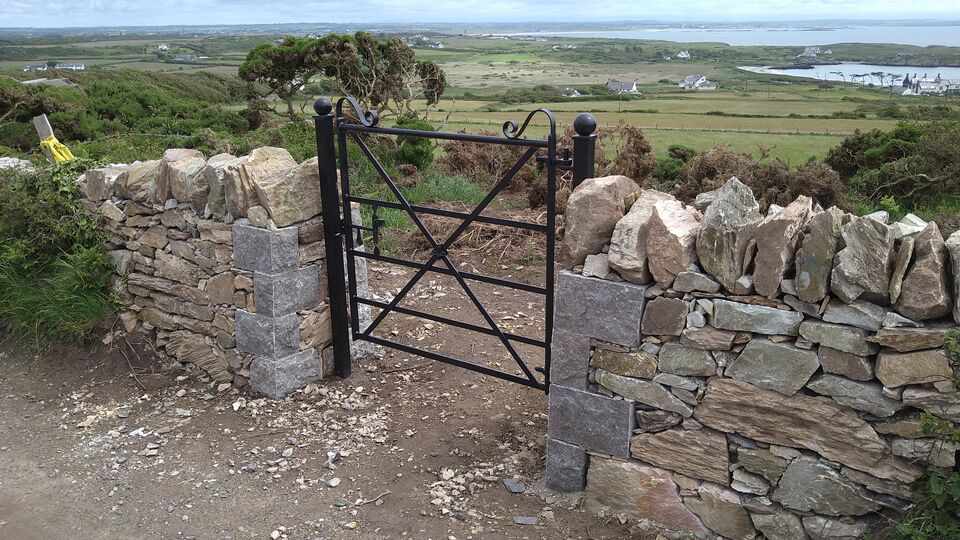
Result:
[772,182]
[53,268]
[416,151]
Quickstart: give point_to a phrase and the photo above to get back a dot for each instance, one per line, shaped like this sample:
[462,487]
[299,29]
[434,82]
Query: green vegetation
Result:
[914,167]
[53,267]
[936,509]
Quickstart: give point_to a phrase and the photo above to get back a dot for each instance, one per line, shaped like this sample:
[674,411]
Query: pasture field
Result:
[797,118]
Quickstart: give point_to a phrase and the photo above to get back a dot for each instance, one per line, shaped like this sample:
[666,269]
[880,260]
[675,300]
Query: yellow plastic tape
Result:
[60,153]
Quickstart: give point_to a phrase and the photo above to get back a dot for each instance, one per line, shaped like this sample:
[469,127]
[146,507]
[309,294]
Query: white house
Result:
[71,66]
[697,82]
[571,93]
[34,68]
[683,55]
[163,47]
[623,87]
[809,52]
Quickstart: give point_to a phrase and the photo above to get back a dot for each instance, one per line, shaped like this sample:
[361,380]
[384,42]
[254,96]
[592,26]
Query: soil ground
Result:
[101,442]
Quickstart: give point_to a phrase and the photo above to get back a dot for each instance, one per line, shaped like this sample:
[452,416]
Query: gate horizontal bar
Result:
[451,213]
[452,322]
[453,361]
[465,137]
[536,289]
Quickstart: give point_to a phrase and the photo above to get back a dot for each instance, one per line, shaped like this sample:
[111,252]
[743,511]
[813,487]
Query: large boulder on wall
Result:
[628,247]
[727,226]
[293,195]
[180,173]
[240,179]
[593,210]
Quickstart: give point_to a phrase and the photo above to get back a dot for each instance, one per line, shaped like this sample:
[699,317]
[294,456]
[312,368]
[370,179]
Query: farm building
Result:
[32,68]
[71,66]
[683,55]
[623,87]
[697,82]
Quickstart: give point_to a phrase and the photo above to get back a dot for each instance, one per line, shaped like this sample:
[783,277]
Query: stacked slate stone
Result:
[721,372]
[218,260]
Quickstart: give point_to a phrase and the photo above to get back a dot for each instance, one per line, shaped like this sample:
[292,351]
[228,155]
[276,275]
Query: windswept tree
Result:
[384,75]
[283,68]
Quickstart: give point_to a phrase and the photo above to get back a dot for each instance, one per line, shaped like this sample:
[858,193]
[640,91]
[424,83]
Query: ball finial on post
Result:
[584,124]
[322,106]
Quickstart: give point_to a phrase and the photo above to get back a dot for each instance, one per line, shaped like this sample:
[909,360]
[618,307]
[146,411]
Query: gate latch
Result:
[563,161]
[374,230]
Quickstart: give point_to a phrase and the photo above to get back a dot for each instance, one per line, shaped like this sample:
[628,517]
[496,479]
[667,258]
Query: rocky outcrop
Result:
[727,227]
[593,210]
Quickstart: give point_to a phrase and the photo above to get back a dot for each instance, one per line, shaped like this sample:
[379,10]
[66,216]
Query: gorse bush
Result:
[53,269]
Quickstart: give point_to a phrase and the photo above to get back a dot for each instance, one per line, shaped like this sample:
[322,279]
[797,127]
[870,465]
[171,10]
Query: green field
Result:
[795,117]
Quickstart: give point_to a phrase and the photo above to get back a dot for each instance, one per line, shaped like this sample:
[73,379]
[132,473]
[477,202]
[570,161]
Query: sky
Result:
[61,13]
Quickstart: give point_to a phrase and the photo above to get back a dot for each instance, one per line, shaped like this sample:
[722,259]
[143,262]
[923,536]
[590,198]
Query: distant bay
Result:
[795,35]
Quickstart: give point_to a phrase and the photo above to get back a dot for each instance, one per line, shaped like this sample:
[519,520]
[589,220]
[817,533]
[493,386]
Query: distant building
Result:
[571,93]
[697,82]
[186,59]
[563,47]
[33,68]
[623,87]
[683,55]
[918,86]
[70,66]
[810,52]
[163,47]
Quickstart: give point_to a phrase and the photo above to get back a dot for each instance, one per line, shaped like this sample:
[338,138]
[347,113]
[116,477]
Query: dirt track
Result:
[422,448]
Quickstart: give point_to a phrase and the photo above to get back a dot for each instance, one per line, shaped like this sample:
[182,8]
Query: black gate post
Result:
[584,148]
[332,235]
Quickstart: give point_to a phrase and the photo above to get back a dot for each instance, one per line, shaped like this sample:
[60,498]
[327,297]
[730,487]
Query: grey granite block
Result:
[569,359]
[566,466]
[263,250]
[270,337]
[601,309]
[591,421]
[278,377]
[276,295]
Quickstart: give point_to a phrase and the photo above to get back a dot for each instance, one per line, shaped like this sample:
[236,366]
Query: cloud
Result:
[182,12]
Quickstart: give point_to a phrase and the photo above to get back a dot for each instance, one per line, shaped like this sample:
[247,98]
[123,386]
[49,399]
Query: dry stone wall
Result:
[220,262]
[718,372]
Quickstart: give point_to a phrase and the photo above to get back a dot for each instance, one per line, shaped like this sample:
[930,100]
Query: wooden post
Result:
[44,130]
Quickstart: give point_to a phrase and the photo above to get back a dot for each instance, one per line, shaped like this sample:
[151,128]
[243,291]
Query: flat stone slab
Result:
[780,367]
[644,391]
[566,466]
[837,336]
[664,317]
[758,319]
[569,359]
[860,395]
[278,377]
[810,486]
[917,367]
[591,421]
[697,453]
[605,310]
[629,364]
[686,361]
[641,492]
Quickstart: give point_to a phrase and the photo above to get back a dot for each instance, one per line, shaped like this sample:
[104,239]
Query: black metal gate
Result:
[342,236]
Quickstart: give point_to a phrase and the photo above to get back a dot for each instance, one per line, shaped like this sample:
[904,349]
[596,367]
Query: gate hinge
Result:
[564,161]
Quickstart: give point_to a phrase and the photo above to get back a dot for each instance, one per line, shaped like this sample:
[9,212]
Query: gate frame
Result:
[332,131]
